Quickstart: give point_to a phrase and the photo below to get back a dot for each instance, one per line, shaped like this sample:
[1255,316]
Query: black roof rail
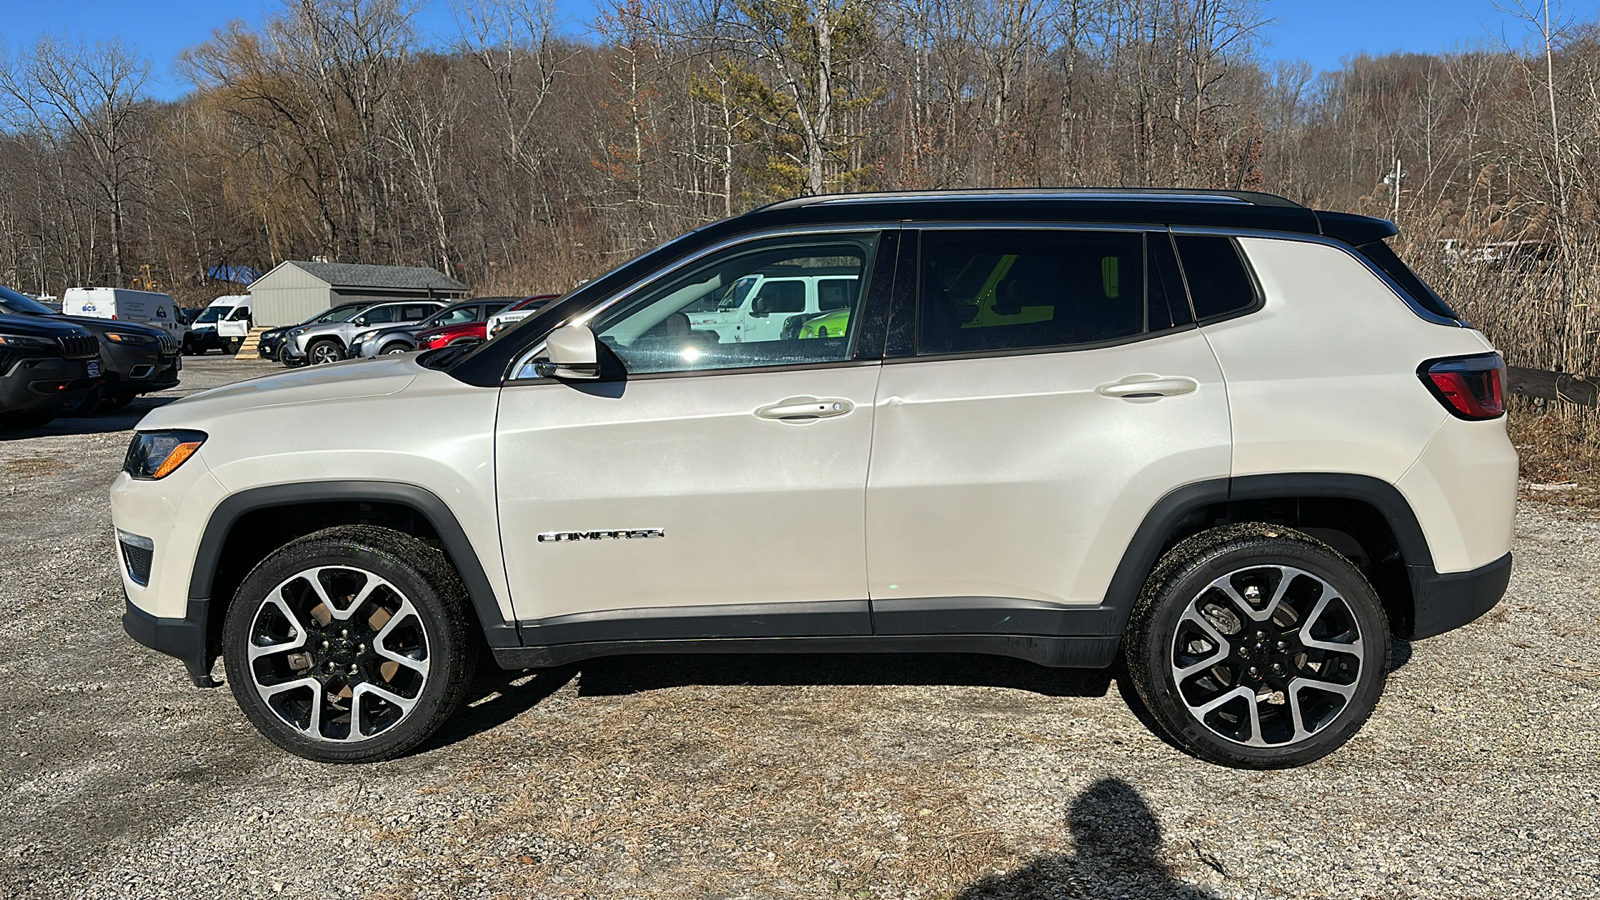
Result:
[1082,194]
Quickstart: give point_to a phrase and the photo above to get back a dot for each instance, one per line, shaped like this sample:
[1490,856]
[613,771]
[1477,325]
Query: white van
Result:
[772,304]
[223,324]
[123,304]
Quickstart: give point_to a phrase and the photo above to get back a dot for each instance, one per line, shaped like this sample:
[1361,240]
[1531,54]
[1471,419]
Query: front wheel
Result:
[351,644]
[324,352]
[395,349]
[1258,647]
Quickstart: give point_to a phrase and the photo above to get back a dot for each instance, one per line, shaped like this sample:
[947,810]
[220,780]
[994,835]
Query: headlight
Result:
[363,337]
[156,454]
[123,337]
[19,340]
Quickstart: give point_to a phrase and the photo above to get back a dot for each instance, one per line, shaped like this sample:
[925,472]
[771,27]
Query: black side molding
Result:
[826,618]
[1060,652]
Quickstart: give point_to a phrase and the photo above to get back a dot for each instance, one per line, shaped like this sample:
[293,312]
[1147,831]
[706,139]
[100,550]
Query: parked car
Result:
[516,313]
[125,305]
[461,319]
[222,325]
[331,341]
[1226,439]
[46,365]
[134,359]
[271,344]
[773,303]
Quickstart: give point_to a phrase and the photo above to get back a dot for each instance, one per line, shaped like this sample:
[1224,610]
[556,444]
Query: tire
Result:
[324,351]
[119,400]
[401,660]
[90,404]
[394,348]
[288,362]
[231,346]
[1301,638]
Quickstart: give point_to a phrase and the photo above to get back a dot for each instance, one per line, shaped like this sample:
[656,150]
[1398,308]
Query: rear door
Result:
[1055,391]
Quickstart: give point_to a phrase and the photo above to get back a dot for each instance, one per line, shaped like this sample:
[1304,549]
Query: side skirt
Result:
[1091,652]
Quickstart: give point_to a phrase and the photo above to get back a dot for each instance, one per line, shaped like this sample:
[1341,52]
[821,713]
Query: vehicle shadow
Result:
[635,674]
[497,696]
[106,421]
[1116,853]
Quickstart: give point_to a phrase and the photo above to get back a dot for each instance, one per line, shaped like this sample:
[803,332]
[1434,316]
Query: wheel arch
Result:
[1364,518]
[249,525]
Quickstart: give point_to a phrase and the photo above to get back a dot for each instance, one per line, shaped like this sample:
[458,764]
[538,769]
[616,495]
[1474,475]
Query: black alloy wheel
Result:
[1258,647]
[351,644]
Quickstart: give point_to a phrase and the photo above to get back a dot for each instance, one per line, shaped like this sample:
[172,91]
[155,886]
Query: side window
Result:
[785,296]
[654,331]
[835,293]
[417,313]
[1218,282]
[458,316]
[1006,290]
[380,315]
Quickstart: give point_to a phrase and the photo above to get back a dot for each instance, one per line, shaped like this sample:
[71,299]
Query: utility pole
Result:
[1393,178]
[40,236]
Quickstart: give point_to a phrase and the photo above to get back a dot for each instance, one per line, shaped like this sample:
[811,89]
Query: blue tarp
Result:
[235,274]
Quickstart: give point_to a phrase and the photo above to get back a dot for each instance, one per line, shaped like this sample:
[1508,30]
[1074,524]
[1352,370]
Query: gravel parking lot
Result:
[757,777]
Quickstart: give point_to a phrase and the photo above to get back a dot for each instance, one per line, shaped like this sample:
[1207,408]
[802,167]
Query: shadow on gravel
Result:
[495,698]
[1115,840]
[633,674]
[104,422]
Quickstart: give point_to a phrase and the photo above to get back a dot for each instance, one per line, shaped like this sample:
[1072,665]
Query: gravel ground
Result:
[756,777]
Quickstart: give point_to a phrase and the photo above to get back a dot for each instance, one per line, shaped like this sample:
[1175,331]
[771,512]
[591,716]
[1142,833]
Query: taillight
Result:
[1470,387]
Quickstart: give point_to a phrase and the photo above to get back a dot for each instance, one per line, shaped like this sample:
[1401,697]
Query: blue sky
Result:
[1321,32]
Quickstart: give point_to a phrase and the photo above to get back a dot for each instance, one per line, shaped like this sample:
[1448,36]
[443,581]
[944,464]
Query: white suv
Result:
[773,304]
[1230,440]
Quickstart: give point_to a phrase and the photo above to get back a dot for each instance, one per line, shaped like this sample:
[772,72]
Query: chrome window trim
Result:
[523,362]
[1370,266]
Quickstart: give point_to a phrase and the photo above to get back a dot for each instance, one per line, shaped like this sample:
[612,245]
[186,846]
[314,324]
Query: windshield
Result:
[737,292]
[19,305]
[211,314]
[337,314]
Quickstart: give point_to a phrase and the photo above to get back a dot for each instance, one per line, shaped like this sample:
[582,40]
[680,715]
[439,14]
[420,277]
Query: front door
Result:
[717,489]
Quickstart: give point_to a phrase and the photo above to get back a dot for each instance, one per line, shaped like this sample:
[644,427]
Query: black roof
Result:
[1157,207]
[356,275]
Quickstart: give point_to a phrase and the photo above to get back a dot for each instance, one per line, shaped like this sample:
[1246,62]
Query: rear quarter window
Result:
[1219,283]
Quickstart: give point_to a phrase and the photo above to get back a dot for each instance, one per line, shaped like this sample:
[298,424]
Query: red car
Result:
[445,335]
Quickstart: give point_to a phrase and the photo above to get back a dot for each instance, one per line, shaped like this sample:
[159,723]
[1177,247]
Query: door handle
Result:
[805,409]
[1149,387]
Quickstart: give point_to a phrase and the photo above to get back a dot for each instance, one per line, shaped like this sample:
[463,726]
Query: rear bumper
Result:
[1445,602]
[183,638]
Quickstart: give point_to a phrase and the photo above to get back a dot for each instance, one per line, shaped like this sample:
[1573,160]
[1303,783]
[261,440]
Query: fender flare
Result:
[1162,520]
[497,631]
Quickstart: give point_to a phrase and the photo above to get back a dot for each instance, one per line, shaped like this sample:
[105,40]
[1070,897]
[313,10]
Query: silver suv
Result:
[1229,440]
[331,341]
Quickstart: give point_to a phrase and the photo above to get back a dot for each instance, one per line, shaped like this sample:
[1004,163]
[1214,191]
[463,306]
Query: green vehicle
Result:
[830,324]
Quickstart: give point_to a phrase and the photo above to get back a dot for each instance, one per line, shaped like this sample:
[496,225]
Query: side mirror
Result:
[359,320]
[572,352]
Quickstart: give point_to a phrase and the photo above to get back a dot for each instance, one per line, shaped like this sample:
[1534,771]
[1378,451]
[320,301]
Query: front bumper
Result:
[183,638]
[1445,602]
[43,383]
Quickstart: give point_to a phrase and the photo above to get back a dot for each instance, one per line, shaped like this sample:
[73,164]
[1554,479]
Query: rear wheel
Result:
[1258,647]
[232,345]
[351,644]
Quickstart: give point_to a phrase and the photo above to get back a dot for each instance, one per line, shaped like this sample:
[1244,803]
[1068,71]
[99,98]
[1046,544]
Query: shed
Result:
[296,290]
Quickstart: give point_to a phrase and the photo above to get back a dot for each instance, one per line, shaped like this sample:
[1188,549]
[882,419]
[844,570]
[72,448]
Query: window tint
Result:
[379,315]
[416,313]
[1218,282]
[671,327]
[1002,290]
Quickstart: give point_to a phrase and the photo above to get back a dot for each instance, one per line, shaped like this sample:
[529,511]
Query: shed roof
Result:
[398,277]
